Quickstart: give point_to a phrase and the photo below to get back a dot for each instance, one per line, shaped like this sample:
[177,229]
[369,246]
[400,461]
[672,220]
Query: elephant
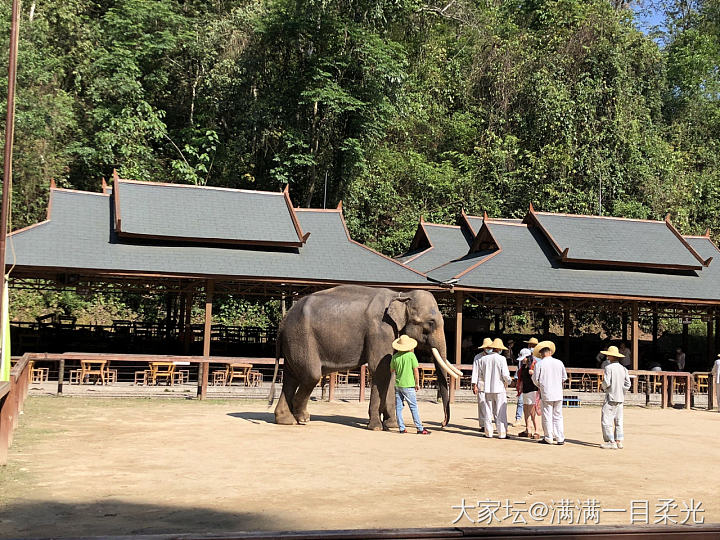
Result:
[343,328]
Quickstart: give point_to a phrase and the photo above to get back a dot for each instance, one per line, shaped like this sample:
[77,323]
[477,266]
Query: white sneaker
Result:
[502,435]
[609,446]
[619,444]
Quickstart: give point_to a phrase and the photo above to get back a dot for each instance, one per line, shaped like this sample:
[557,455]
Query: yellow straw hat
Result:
[613,351]
[404,343]
[543,345]
[487,343]
[498,344]
[532,341]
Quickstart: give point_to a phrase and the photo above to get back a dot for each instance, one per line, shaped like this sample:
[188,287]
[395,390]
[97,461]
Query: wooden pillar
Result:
[61,375]
[688,391]
[363,377]
[546,326]
[567,329]
[168,315]
[685,328]
[204,368]
[664,392]
[331,386]
[188,337]
[497,324]
[635,333]
[459,302]
[623,330]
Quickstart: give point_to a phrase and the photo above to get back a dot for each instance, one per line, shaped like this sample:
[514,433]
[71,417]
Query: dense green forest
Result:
[397,107]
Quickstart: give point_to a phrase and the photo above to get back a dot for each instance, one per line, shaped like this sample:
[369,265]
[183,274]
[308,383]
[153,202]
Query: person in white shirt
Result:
[716,380]
[494,374]
[549,375]
[478,386]
[679,359]
[616,381]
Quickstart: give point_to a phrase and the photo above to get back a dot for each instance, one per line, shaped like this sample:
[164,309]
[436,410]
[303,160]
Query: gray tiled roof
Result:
[527,262]
[79,236]
[615,240]
[448,243]
[202,213]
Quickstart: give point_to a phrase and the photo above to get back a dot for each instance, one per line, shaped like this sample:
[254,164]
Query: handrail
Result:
[12,399]
[18,368]
[4,388]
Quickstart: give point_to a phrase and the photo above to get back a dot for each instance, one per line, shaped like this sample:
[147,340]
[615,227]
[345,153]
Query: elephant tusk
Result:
[443,365]
[448,366]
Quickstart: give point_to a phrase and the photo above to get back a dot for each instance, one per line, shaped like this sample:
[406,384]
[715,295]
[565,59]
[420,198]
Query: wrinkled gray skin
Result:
[345,327]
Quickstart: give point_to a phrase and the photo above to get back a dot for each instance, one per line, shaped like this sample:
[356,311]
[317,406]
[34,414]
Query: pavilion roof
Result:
[204,214]
[80,237]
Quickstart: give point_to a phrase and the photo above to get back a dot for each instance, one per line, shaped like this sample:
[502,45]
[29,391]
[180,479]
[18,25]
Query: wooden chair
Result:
[38,375]
[142,376]
[162,370]
[74,376]
[219,376]
[111,375]
[93,367]
[255,378]
[701,383]
[428,377]
[238,371]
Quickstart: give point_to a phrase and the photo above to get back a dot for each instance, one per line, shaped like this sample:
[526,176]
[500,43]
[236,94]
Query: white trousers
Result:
[717,396]
[481,408]
[552,421]
[611,420]
[496,407]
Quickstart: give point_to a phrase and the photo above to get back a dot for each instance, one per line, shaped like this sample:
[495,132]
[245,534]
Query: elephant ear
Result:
[398,313]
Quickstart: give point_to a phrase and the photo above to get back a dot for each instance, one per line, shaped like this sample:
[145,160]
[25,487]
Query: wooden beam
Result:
[459,302]
[207,334]
[635,332]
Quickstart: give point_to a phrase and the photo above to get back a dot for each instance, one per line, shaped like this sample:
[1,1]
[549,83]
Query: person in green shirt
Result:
[404,365]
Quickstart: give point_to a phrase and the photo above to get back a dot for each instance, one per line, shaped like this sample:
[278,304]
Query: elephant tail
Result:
[278,353]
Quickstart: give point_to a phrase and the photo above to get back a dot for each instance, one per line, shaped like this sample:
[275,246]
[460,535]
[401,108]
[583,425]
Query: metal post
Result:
[9,138]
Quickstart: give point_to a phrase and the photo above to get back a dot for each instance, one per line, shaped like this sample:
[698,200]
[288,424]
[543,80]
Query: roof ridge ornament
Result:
[52,184]
[104,185]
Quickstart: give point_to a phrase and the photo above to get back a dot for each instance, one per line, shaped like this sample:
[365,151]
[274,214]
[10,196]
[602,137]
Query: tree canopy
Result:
[399,108]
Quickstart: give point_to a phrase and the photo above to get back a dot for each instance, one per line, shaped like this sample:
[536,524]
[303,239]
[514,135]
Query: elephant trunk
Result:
[442,367]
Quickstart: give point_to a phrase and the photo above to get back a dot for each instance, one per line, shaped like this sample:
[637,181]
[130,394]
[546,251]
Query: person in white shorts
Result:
[528,394]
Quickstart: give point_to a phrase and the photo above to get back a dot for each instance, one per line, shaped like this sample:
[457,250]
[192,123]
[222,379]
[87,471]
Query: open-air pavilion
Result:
[203,241]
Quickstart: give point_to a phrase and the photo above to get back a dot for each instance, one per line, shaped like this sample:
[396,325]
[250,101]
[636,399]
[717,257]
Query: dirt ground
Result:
[90,466]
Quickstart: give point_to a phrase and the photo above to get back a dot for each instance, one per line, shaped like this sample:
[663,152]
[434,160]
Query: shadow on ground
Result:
[269,418]
[114,517]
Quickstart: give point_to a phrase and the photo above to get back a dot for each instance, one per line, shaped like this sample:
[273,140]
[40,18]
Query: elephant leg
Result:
[301,400]
[389,411]
[283,412]
[375,423]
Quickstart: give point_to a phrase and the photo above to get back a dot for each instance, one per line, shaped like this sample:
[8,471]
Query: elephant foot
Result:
[375,425]
[303,418]
[285,419]
[391,423]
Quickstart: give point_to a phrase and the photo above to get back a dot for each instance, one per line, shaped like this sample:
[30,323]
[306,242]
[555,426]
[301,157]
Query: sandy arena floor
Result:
[114,466]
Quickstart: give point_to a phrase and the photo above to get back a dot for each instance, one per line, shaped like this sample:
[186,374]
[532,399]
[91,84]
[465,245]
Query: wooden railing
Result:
[12,399]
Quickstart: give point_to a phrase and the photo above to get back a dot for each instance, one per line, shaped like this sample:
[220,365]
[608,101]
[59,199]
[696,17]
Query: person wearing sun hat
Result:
[616,381]
[522,355]
[478,387]
[716,380]
[404,365]
[493,373]
[548,375]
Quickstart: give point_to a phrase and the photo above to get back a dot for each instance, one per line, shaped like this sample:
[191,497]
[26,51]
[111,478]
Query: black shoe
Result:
[560,443]
[543,441]
[401,431]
